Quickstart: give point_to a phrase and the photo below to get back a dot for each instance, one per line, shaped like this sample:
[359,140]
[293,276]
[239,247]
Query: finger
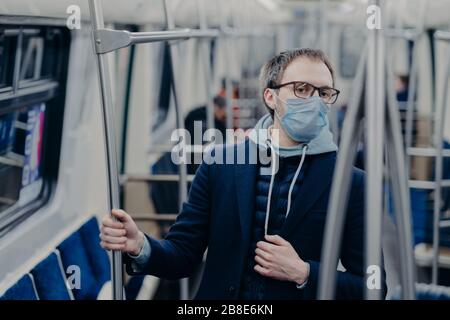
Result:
[262,271]
[263,254]
[265,246]
[276,239]
[114,232]
[114,240]
[107,221]
[262,262]
[120,215]
[110,246]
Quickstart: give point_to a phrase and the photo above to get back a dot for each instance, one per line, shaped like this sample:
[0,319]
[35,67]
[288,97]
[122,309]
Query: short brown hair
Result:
[272,72]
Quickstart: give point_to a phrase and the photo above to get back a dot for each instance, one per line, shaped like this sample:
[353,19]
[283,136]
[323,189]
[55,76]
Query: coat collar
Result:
[245,178]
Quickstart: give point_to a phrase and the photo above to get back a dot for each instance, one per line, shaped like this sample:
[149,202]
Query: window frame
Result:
[23,95]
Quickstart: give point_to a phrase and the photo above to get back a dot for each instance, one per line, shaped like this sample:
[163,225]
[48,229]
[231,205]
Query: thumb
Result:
[120,215]
[276,239]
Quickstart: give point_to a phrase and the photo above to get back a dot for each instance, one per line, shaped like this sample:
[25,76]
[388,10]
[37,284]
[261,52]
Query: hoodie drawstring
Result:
[272,178]
[295,179]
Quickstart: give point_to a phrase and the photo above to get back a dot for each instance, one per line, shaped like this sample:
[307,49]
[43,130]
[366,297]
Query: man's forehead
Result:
[309,70]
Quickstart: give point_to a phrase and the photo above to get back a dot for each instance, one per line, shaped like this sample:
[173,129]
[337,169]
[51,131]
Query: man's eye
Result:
[325,93]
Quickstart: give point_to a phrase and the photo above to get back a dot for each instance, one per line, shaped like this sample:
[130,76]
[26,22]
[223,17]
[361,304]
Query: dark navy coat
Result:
[217,217]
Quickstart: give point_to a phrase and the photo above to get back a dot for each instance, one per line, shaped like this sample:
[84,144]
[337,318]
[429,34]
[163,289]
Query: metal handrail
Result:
[110,146]
[427,185]
[155,217]
[153,178]
[443,35]
[182,170]
[107,40]
[426,152]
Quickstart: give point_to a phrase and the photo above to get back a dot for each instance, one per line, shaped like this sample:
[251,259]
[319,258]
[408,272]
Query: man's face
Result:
[301,69]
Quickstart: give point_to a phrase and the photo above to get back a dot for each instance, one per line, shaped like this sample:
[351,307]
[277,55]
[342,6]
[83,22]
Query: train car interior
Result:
[93,95]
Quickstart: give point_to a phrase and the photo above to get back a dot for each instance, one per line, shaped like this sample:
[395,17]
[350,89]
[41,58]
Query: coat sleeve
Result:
[350,284]
[182,250]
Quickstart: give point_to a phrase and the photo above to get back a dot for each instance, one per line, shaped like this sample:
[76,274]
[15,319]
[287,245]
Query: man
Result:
[263,232]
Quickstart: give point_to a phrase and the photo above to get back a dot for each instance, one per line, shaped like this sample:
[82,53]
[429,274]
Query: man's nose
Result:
[315,93]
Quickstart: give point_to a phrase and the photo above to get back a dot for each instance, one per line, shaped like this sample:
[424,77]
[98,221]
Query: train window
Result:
[39,54]
[52,44]
[21,135]
[30,120]
[7,49]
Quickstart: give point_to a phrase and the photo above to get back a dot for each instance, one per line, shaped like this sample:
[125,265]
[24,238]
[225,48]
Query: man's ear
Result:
[269,98]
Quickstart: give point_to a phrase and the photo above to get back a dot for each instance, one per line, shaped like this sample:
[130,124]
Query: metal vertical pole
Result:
[229,90]
[413,78]
[182,183]
[375,107]
[351,133]
[400,190]
[228,62]
[374,119]
[323,43]
[438,137]
[110,145]
[204,43]
[323,25]
[411,103]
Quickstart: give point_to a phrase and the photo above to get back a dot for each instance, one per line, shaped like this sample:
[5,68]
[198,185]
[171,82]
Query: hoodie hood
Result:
[321,144]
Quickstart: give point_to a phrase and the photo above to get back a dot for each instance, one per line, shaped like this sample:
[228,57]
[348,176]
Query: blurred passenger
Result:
[401,87]
[234,95]
[200,114]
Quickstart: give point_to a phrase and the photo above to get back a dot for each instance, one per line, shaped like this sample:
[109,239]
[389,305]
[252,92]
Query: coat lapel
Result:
[316,180]
[245,177]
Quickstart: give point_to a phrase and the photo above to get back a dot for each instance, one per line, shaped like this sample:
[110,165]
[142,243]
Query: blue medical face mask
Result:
[304,118]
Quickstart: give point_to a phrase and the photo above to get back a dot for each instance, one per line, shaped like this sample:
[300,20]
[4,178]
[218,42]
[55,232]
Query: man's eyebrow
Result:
[306,82]
[303,81]
[322,87]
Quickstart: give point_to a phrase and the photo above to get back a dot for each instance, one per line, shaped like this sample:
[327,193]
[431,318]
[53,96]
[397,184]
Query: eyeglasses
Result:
[306,90]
